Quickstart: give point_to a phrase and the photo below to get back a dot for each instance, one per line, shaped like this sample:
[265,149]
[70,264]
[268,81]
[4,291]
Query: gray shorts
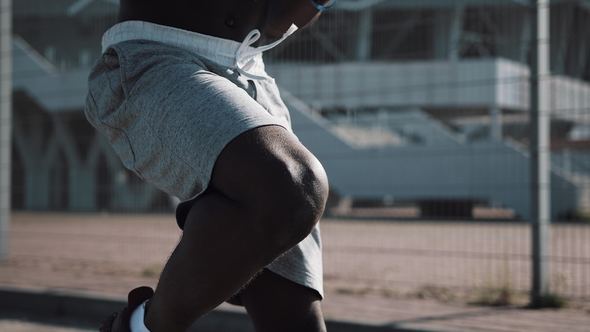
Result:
[168,113]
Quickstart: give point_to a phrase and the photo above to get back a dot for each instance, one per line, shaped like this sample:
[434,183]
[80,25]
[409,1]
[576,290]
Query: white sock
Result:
[136,322]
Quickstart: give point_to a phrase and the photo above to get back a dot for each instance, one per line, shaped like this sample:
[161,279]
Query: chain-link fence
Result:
[419,111]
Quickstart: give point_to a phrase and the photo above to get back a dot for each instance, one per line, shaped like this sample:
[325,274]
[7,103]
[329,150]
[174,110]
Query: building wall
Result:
[461,60]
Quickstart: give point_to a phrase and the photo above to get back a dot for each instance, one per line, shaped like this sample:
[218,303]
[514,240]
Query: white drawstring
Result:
[246,57]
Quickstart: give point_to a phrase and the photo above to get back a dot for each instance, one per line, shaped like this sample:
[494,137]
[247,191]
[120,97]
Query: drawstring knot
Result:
[246,56]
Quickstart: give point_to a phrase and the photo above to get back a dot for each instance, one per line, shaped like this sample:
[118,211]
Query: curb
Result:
[96,308]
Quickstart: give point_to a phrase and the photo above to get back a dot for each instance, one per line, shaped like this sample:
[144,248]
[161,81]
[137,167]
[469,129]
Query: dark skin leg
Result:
[278,304]
[266,194]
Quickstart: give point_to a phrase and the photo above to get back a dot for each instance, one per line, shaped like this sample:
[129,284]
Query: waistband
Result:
[221,51]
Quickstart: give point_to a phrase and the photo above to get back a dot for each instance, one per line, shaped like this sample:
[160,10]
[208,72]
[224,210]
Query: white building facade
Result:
[409,101]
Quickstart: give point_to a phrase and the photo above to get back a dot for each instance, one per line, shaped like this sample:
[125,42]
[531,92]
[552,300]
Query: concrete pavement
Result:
[46,311]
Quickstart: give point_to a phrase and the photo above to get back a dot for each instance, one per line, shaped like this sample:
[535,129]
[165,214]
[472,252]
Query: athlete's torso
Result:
[228,19]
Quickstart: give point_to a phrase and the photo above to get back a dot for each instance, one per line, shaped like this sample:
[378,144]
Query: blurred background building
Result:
[407,103]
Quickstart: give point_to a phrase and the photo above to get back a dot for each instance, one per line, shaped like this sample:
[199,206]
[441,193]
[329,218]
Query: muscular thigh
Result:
[253,166]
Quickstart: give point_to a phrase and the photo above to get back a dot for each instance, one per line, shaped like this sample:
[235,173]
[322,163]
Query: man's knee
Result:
[281,184]
[297,202]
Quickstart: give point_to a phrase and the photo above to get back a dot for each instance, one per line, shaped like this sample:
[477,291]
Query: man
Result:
[182,96]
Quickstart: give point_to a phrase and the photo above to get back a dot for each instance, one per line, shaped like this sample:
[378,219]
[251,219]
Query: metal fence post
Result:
[540,150]
[5,123]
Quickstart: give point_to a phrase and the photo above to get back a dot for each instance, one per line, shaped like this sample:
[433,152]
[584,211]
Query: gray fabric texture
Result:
[168,113]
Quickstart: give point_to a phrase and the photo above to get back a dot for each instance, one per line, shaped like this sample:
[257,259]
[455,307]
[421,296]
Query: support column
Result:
[5,124]
[82,187]
[582,62]
[540,152]
[81,182]
[37,187]
[525,40]
[562,44]
[456,33]
[567,160]
[496,124]
[442,23]
[365,35]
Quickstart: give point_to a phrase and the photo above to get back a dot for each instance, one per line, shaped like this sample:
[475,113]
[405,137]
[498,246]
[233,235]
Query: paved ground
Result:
[17,325]
[418,275]
[19,322]
[13,325]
